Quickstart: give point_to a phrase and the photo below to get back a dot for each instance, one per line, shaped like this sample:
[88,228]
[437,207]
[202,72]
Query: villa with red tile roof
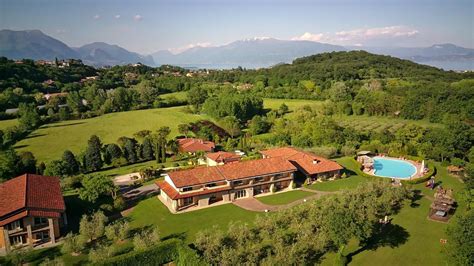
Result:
[32,211]
[208,185]
[313,167]
[221,157]
[192,145]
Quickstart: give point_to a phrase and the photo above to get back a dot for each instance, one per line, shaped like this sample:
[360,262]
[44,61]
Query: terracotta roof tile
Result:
[194,145]
[13,218]
[223,156]
[31,192]
[253,168]
[305,161]
[238,170]
[199,175]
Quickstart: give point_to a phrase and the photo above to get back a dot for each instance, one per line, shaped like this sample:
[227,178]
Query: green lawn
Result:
[418,238]
[153,212]
[340,184]
[284,197]
[49,142]
[8,123]
[352,181]
[180,95]
[271,103]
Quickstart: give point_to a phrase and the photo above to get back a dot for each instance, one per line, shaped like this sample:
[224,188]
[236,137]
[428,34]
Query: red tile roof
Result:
[253,168]
[238,170]
[30,192]
[199,175]
[174,194]
[194,145]
[307,162]
[223,156]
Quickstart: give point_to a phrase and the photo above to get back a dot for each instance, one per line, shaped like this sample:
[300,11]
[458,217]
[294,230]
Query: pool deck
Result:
[418,173]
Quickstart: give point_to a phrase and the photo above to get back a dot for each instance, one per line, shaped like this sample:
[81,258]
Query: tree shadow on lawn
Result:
[417,195]
[63,125]
[34,135]
[390,235]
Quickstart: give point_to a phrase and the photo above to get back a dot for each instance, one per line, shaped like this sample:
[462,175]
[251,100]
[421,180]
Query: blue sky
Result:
[146,26]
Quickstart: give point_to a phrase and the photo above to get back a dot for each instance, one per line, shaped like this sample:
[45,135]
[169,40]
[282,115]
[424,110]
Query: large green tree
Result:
[92,157]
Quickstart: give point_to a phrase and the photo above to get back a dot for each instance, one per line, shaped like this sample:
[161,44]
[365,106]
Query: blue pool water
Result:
[387,167]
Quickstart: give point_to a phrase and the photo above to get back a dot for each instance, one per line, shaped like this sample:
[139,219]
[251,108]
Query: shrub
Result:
[325,151]
[92,226]
[157,254]
[432,171]
[119,203]
[145,239]
[344,175]
[52,262]
[73,244]
[117,231]
[101,253]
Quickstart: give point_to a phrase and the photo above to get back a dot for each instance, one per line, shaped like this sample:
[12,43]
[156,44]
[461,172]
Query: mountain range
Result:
[34,44]
[249,53]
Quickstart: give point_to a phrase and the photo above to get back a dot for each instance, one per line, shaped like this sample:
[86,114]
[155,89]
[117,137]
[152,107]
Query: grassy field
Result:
[49,142]
[8,123]
[180,95]
[340,184]
[271,103]
[153,212]
[284,197]
[378,123]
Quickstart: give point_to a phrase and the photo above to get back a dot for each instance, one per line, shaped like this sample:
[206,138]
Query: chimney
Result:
[315,161]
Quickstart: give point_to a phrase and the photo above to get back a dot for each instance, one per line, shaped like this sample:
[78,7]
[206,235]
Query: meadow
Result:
[49,141]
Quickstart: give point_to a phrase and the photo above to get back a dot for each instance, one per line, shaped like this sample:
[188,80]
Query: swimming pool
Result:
[389,167]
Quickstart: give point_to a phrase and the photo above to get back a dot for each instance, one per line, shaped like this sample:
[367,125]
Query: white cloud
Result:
[368,33]
[96,17]
[189,46]
[117,16]
[361,36]
[137,17]
[307,36]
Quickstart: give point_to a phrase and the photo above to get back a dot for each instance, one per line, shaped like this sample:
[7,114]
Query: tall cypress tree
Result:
[147,149]
[130,150]
[72,165]
[92,158]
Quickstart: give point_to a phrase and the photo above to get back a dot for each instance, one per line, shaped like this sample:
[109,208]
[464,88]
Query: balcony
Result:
[17,231]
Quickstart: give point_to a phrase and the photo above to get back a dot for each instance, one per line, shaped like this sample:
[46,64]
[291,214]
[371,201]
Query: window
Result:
[211,185]
[240,194]
[42,235]
[16,240]
[14,225]
[188,201]
[238,182]
[40,221]
[186,189]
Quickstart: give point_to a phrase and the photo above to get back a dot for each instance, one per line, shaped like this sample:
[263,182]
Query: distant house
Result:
[49,96]
[192,145]
[221,157]
[32,211]
[86,79]
[48,82]
[204,186]
[313,167]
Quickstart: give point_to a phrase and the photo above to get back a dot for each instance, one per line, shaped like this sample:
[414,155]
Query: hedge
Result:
[162,253]
[426,177]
